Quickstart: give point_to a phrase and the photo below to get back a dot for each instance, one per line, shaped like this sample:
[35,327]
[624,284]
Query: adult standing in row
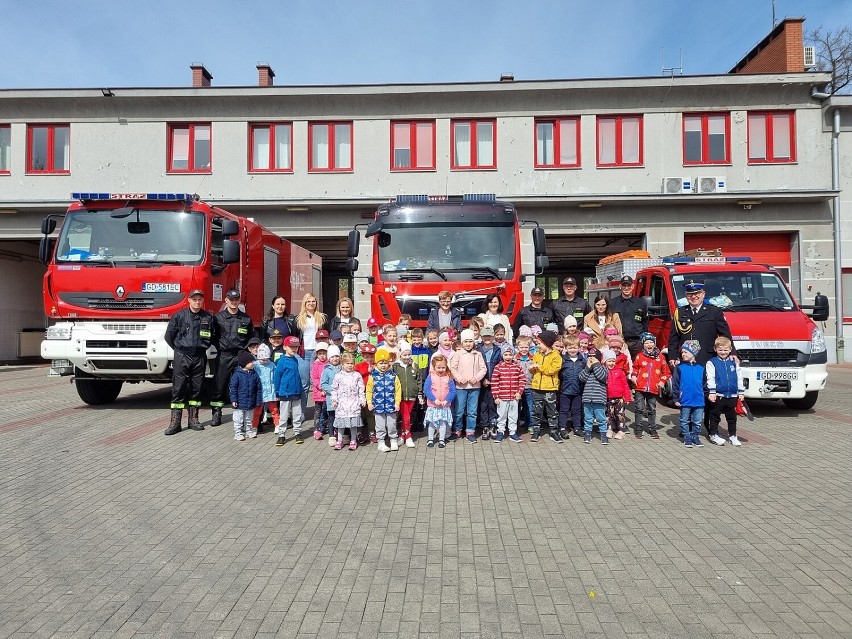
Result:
[308,322]
[599,319]
[345,314]
[570,304]
[492,314]
[233,332]
[534,314]
[633,314]
[277,317]
[445,316]
[189,334]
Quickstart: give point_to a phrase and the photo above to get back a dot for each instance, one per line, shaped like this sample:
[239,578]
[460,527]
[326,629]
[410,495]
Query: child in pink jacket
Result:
[320,408]
[618,395]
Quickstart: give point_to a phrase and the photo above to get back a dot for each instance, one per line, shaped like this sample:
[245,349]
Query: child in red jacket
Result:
[508,382]
[617,393]
[650,375]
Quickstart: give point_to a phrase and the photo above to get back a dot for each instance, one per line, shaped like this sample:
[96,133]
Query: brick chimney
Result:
[265,75]
[201,77]
[782,51]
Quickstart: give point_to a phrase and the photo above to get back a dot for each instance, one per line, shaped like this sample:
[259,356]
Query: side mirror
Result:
[352,265]
[45,249]
[230,251]
[384,239]
[539,241]
[230,227]
[820,308]
[658,311]
[48,225]
[353,244]
[541,263]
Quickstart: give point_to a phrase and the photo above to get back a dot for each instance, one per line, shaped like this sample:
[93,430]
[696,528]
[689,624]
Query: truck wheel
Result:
[97,391]
[802,403]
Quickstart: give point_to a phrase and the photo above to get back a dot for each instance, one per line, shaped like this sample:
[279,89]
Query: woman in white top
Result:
[309,321]
[492,314]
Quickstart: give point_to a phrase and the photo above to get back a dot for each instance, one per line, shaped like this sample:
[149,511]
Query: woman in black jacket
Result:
[277,317]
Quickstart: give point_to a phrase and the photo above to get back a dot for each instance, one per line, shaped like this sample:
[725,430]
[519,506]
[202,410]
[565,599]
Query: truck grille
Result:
[106,344]
[120,364]
[768,355]
[105,301]
[111,304]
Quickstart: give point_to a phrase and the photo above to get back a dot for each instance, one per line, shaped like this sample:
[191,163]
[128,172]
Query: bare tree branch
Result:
[833,49]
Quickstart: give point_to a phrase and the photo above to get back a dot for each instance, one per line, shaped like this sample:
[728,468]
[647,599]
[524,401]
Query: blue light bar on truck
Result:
[467,197]
[705,260]
[160,197]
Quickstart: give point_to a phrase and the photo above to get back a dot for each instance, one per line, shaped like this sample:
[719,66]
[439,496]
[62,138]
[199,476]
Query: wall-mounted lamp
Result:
[747,204]
[297,209]
[108,93]
[590,205]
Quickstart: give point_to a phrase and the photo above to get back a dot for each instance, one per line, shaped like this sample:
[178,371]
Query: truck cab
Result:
[781,349]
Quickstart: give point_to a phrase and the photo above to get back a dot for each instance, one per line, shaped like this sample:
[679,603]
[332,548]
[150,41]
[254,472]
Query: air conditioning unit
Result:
[810,58]
[710,185]
[677,185]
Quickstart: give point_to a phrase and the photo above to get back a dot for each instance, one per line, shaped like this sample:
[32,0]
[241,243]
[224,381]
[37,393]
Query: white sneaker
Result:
[277,430]
[332,440]
[252,434]
[383,447]
[717,440]
[410,443]
[394,444]
[400,442]
[240,438]
[734,440]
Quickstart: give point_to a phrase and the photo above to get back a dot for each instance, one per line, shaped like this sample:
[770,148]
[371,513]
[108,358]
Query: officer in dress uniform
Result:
[233,332]
[698,321]
[189,333]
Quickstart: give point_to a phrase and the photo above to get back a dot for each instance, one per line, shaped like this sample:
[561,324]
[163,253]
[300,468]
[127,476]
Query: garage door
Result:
[763,248]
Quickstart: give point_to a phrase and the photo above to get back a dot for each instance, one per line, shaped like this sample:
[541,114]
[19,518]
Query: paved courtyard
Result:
[108,528]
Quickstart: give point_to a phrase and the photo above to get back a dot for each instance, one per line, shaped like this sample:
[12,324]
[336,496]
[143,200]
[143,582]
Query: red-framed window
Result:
[473,144]
[271,147]
[48,148]
[706,138]
[557,143]
[771,136]
[190,148]
[5,149]
[330,146]
[620,140]
[846,285]
[413,145]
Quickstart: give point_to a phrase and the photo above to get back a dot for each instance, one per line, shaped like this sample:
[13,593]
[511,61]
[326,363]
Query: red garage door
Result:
[763,248]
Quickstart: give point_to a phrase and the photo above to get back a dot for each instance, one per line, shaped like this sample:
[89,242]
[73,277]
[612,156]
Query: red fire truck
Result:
[469,245]
[782,351]
[124,263]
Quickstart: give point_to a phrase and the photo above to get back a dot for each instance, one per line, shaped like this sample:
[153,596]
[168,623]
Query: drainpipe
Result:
[838,265]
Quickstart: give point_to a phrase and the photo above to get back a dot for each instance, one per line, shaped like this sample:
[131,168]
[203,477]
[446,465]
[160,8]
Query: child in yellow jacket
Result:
[544,384]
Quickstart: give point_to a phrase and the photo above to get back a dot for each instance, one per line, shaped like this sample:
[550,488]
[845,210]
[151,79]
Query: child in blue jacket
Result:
[246,395]
[289,386]
[688,391]
[570,388]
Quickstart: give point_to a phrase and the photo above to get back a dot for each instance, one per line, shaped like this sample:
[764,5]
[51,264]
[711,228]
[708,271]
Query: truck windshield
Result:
[448,251]
[143,236]
[738,290]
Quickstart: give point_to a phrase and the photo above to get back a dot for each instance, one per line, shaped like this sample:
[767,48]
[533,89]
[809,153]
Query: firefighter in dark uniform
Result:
[233,332]
[633,315]
[698,321]
[570,304]
[189,333]
[534,314]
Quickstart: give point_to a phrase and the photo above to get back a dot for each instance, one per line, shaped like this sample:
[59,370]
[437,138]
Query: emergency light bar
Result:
[467,197]
[705,260]
[163,197]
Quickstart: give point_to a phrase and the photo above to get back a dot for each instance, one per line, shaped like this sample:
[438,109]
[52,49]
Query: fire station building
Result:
[740,161]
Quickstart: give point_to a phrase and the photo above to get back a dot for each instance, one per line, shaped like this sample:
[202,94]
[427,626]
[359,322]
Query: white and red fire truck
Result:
[124,263]
[782,350]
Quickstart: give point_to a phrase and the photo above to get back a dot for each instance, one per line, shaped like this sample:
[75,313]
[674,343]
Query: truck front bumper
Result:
[784,383]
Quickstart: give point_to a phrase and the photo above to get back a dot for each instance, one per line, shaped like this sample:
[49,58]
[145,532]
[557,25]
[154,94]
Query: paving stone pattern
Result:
[108,528]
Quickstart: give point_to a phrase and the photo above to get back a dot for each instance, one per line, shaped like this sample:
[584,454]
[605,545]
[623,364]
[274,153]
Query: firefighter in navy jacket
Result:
[698,321]
[233,332]
[189,333]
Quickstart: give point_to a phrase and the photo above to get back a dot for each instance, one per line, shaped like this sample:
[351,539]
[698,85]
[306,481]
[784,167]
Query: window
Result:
[189,148]
[5,148]
[330,146]
[772,137]
[706,138]
[557,143]
[412,146]
[620,140]
[473,144]
[49,148]
[271,147]
[846,284]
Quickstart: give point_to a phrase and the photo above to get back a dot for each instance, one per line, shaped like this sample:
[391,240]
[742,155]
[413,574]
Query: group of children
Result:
[380,385]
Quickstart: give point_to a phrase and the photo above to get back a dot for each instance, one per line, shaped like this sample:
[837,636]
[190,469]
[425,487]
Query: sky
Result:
[116,43]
